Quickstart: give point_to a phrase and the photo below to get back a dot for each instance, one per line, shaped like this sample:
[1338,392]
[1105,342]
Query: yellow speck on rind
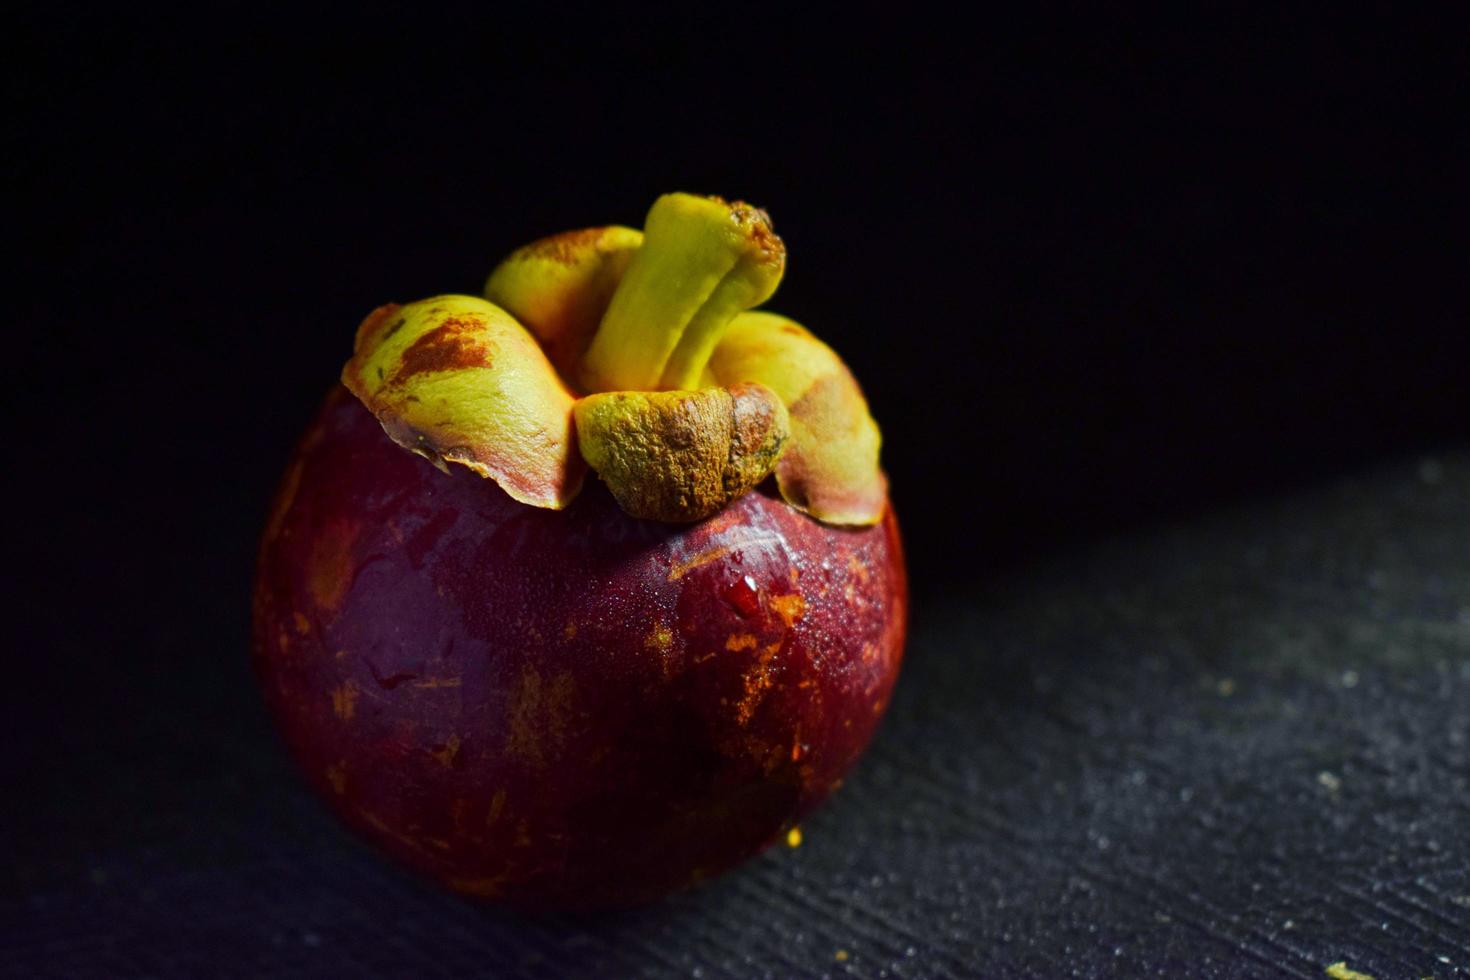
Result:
[447,753]
[330,567]
[841,956]
[1340,971]
[434,683]
[793,837]
[791,608]
[497,806]
[661,639]
[541,715]
[344,701]
[337,776]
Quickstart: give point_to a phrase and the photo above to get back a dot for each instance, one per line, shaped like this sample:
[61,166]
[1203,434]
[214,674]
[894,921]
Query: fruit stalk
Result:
[702,261]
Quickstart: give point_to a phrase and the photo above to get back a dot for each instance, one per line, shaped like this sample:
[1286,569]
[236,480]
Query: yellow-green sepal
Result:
[457,380]
[559,287]
[829,466]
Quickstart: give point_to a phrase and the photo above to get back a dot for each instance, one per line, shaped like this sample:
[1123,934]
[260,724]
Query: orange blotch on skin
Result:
[569,631]
[789,607]
[740,641]
[497,806]
[541,718]
[337,777]
[433,683]
[681,568]
[303,625]
[712,526]
[377,823]
[756,681]
[445,753]
[344,701]
[329,573]
[719,522]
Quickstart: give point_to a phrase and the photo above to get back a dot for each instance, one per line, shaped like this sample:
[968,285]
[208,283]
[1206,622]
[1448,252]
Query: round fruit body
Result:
[563,708]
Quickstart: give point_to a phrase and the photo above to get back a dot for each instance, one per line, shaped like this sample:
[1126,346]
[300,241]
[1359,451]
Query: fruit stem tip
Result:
[703,261]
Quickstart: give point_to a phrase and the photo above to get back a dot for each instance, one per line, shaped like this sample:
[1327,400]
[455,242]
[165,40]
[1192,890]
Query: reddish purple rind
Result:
[563,709]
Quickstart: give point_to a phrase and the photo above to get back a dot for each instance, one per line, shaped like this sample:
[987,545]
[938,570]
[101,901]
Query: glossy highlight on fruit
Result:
[497,674]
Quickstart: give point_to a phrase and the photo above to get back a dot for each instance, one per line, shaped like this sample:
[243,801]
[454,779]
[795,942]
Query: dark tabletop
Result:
[1146,309]
[1237,745]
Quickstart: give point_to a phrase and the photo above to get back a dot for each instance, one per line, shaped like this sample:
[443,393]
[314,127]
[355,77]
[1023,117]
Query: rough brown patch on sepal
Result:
[560,286]
[830,467]
[682,455]
[457,380]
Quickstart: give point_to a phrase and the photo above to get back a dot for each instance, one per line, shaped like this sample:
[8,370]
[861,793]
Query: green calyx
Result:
[702,262]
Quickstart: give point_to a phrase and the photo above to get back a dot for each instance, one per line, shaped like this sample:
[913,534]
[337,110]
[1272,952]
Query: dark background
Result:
[1096,278]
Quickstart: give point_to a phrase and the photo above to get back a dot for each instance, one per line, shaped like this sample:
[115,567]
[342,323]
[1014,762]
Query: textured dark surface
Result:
[1238,746]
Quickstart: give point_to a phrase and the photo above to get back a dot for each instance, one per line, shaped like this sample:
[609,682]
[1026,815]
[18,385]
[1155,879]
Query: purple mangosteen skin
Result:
[563,709]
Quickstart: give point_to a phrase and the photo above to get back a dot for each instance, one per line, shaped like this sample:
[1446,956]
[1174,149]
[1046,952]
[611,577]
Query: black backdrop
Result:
[1087,276]
[1093,277]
